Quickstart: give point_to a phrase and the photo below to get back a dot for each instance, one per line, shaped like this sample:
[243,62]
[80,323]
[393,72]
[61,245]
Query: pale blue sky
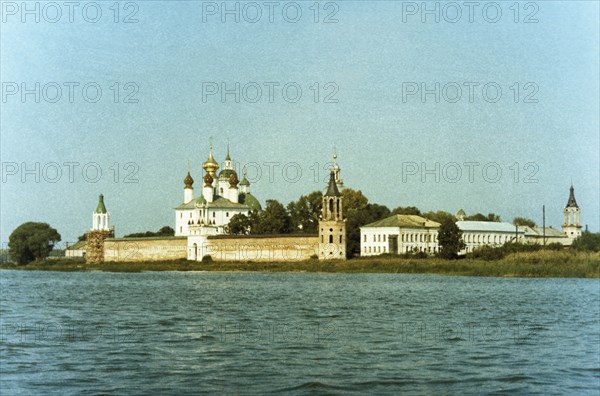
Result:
[368,54]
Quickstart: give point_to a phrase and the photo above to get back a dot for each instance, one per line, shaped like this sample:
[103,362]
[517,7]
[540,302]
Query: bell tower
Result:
[332,226]
[571,217]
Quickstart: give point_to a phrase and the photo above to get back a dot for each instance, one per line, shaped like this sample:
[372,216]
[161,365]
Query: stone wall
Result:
[260,247]
[145,249]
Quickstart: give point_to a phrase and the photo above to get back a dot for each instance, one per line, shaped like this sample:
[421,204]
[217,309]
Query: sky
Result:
[491,109]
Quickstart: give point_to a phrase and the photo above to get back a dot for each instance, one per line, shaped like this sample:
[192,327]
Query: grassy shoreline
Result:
[542,264]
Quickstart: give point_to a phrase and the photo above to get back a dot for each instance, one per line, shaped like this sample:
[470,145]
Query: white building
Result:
[399,234]
[488,233]
[545,236]
[75,250]
[223,196]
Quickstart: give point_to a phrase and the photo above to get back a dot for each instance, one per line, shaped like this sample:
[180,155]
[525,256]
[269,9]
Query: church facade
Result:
[222,196]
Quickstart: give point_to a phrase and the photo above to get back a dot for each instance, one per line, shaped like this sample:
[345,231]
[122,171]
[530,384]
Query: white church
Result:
[222,197]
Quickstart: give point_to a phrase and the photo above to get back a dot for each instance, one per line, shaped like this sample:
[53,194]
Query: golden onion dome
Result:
[210,164]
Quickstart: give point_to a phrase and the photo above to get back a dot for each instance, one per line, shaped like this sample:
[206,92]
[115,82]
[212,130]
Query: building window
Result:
[384,238]
[330,238]
[340,239]
[181,215]
[226,214]
[365,238]
[221,190]
[214,214]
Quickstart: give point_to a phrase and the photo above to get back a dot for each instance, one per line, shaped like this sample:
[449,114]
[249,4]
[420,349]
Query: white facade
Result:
[380,240]
[488,233]
[399,234]
[219,217]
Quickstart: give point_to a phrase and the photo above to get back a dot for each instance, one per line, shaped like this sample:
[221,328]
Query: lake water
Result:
[263,333]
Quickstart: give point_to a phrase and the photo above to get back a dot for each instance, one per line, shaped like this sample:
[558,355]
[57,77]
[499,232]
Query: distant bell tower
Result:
[332,226]
[94,244]
[571,217]
[100,216]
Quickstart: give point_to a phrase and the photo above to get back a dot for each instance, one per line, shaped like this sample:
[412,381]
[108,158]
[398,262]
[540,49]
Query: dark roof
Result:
[218,202]
[332,190]
[572,203]
[408,221]
[100,208]
[226,173]
[79,245]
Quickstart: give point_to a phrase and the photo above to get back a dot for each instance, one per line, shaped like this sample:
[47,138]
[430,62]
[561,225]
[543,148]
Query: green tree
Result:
[366,215]
[274,219]
[32,241]
[164,231]
[305,212]
[450,239]
[353,201]
[481,217]
[358,212]
[522,221]
[408,210]
[239,224]
[440,216]
[587,242]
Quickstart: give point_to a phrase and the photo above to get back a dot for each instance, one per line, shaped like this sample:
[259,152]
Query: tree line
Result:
[34,241]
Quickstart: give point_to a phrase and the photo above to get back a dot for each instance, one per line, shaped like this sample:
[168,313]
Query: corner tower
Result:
[94,244]
[332,226]
[571,217]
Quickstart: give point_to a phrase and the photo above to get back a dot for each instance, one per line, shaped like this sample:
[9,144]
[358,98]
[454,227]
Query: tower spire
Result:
[227,158]
[335,168]
[332,189]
